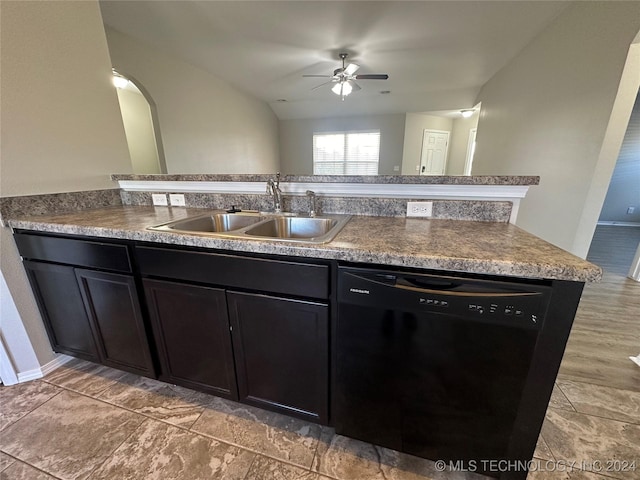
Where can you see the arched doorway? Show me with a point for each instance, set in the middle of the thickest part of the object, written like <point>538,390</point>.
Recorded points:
<point>140,125</point>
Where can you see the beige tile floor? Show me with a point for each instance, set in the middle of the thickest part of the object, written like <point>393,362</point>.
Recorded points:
<point>86,421</point>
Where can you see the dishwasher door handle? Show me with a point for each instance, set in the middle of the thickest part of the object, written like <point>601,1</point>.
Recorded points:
<point>445,286</point>
<point>468,294</point>
<point>428,284</point>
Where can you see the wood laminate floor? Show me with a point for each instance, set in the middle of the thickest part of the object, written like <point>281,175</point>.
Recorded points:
<point>613,248</point>
<point>605,333</point>
<point>86,421</point>
<point>593,420</point>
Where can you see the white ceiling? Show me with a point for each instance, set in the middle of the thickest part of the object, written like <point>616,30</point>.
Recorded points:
<point>438,54</point>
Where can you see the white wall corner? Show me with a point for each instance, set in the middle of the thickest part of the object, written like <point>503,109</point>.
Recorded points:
<point>8,373</point>
<point>613,138</point>
<point>17,351</point>
<point>634,271</point>
<point>515,206</point>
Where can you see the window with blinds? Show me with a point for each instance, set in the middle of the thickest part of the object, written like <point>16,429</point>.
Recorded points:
<point>346,153</point>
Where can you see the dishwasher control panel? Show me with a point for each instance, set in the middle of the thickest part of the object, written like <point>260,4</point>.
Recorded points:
<point>503,302</point>
<point>524,309</point>
<point>517,311</point>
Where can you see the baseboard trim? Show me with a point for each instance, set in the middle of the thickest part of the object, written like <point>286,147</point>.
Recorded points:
<point>45,369</point>
<point>619,224</point>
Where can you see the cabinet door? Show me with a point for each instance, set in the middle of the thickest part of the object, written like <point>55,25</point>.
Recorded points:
<point>281,351</point>
<point>191,329</point>
<point>111,301</point>
<point>58,296</point>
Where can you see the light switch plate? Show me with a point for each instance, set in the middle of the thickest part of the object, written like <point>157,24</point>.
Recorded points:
<point>176,199</point>
<point>419,209</point>
<point>159,199</point>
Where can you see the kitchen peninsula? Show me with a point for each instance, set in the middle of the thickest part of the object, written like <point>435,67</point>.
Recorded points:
<point>267,322</point>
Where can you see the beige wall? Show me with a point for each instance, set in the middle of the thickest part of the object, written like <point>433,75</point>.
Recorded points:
<point>546,112</point>
<point>459,143</point>
<point>138,127</point>
<point>296,140</point>
<point>61,125</point>
<point>55,74</point>
<point>207,125</point>
<point>415,125</point>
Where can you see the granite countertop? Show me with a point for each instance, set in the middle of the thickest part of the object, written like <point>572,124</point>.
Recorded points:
<point>455,245</point>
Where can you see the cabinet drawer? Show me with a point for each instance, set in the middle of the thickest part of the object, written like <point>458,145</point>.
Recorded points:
<point>277,276</point>
<point>83,253</point>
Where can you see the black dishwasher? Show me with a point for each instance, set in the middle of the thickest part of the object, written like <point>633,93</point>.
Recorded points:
<point>433,365</point>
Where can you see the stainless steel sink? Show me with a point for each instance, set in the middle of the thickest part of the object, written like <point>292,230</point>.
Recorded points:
<point>293,227</point>
<point>259,225</point>
<point>213,222</point>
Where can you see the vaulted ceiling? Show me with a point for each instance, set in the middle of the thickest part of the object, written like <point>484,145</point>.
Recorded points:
<point>438,54</point>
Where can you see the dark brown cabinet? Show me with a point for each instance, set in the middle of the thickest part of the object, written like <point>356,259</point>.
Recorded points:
<point>281,352</point>
<point>191,330</point>
<point>60,301</point>
<point>247,328</point>
<point>91,314</point>
<point>111,301</point>
<point>254,329</point>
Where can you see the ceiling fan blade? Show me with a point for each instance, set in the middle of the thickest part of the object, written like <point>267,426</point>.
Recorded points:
<point>351,69</point>
<point>322,85</point>
<point>372,76</point>
<point>318,76</point>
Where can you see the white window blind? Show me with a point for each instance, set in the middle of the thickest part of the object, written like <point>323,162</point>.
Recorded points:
<point>346,153</point>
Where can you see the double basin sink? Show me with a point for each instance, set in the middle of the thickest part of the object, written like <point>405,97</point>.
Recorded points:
<point>259,226</point>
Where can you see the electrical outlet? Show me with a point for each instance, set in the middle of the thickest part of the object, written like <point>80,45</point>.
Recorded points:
<point>630,210</point>
<point>419,209</point>
<point>176,199</point>
<point>159,199</point>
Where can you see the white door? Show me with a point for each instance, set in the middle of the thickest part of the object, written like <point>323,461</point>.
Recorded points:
<point>434,152</point>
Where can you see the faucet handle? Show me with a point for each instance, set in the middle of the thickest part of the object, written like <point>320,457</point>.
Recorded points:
<point>312,203</point>
<point>277,179</point>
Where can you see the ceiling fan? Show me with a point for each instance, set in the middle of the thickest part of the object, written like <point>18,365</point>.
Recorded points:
<point>344,78</point>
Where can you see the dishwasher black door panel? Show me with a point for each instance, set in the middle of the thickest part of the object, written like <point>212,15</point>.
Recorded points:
<point>431,380</point>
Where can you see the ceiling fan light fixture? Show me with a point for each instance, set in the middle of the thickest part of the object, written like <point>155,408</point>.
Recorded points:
<point>466,113</point>
<point>342,88</point>
<point>343,79</point>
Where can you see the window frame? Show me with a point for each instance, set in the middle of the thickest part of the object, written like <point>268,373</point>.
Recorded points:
<point>345,160</point>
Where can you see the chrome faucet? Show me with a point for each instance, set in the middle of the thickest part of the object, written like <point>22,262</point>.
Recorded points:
<point>273,188</point>
<point>312,203</point>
